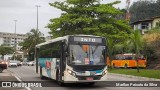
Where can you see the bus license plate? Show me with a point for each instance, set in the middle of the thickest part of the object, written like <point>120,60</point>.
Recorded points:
<point>89,78</point>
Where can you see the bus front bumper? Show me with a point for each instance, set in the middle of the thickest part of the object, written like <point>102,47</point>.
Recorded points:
<point>68,78</point>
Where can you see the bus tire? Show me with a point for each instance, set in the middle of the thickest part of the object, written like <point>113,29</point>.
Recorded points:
<point>113,65</point>
<point>125,66</point>
<point>40,72</point>
<point>58,79</point>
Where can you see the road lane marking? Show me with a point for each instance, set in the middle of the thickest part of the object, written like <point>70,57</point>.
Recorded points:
<point>18,78</point>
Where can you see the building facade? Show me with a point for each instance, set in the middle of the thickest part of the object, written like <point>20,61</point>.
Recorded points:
<point>11,39</point>
<point>147,24</point>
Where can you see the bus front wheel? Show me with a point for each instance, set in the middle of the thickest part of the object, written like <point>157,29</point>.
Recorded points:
<point>113,65</point>
<point>58,79</point>
<point>1,70</point>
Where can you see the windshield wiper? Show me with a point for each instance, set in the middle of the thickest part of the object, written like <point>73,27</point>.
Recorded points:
<point>92,52</point>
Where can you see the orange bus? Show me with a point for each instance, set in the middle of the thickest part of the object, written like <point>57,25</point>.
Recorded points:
<point>126,61</point>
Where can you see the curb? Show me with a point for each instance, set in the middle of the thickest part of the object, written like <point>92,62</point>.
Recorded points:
<point>135,77</point>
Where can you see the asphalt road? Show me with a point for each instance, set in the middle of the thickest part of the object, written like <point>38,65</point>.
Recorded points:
<point>27,73</point>
<point>6,76</point>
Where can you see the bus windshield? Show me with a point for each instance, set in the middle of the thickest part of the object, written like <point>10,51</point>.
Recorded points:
<point>87,55</point>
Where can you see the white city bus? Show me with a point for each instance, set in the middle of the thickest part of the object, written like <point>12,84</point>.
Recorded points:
<point>73,59</point>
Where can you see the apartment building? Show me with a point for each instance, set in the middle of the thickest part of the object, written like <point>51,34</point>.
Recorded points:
<point>12,39</point>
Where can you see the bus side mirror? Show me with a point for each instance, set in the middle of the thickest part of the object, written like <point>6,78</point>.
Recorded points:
<point>65,47</point>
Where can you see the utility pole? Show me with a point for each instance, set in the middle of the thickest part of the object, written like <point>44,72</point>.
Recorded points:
<point>35,54</point>
<point>15,42</point>
<point>37,15</point>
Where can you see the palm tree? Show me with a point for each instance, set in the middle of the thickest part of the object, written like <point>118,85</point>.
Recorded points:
<point>110,45</point>
<point>137,42</point>
<point>34,38</point>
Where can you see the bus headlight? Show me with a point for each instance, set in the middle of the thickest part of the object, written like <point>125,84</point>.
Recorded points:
<point>71,72</point>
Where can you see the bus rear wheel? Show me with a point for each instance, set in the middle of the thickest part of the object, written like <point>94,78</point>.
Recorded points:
<point>125,66</point>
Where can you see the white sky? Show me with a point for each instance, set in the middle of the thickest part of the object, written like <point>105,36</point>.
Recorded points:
<point>25,12</point>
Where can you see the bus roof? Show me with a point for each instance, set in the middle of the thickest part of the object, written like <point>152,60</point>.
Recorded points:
<point>52,40</point>
<point>62,38</point>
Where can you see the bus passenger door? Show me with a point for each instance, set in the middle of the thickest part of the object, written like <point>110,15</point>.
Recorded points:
<point>62,61</point>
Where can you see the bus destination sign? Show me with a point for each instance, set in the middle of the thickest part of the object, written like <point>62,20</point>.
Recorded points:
<point>88,39</point>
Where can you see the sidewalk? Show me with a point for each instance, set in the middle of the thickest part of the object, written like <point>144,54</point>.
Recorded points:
<point>7,76</point>
<point>134,77</point>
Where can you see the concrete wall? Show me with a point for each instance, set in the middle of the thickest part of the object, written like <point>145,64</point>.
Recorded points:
<point>156,20</point>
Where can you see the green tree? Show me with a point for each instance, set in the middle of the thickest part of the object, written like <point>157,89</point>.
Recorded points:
<point>152,47</point>
<point>4,50</point>
<point>124,47</point>
<point>88,17</point>
<point>34,37</point>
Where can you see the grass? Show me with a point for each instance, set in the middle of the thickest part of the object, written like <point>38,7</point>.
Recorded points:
<point>142,73</point>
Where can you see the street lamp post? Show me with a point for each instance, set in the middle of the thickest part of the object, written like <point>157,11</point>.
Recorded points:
<point>35,54</point>
<point>15,42</point>
<point>37,15</point>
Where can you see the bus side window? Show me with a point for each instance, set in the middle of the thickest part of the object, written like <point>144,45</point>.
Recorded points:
<point>129,57</point>
<point>116,57</point>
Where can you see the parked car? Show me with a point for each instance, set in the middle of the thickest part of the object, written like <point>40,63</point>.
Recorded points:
<point>24,63</point>
<point>13,63</point>
<point>19,63</point>
<point>31,63</point>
